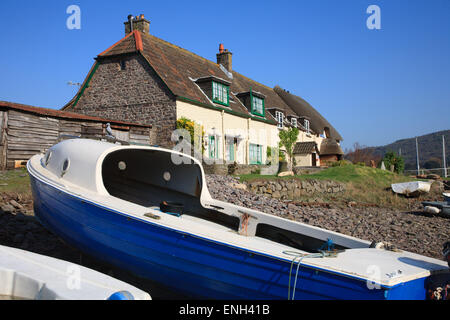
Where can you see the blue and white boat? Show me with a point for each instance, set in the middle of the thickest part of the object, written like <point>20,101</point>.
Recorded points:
<point>106,200</point>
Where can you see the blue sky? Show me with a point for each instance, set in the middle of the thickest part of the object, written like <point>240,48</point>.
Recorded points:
<point>374,86</point>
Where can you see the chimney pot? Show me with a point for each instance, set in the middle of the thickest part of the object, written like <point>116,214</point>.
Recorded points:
<point>224,57</point>
<point>138,23</point>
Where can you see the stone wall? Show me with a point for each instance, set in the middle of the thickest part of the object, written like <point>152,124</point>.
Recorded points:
<point>294,189</point>
<point>222,169</point>
<point>135,94</point>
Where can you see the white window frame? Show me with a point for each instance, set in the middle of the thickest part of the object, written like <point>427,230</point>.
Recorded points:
<point>280,118</point>
<point>294,122</point>
<point>306,121</point>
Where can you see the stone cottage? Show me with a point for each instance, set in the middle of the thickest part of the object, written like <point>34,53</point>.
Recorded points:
<point>147,80</point>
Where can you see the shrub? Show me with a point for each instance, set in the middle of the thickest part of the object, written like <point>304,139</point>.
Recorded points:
<point>190,126</point>
<point>393,159</point>
<point>256,171</point>
<point>232,168</point>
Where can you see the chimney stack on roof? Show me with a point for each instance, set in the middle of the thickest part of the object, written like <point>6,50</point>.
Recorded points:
<point>224,57</point>
<point>137,23</point>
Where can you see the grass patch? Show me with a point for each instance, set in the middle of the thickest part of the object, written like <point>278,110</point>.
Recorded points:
<point>363,185</point>
<point>16,181</point>
<point>347,173</point>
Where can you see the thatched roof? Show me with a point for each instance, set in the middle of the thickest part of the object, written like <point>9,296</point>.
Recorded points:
<point>330,146</point>
<point>317,122</point>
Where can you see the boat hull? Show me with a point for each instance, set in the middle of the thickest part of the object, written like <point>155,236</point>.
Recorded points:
<point>411,189</point>
<point>195,266</point>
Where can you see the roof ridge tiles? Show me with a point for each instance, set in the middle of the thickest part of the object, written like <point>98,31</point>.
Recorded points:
<point>117,43</point>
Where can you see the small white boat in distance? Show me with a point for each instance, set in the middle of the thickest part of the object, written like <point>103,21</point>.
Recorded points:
<point>412,189</point>
<point>26,275</point>
<point>446,197</point>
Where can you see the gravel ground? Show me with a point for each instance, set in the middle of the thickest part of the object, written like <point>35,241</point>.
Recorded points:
<point>412,231</point>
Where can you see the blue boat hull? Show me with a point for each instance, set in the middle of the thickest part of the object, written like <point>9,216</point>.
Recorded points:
<point>190,264</point>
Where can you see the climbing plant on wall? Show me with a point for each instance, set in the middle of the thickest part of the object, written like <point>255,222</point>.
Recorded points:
<point>195,130</point>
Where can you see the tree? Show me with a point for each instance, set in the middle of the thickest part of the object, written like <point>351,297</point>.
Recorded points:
<point>288,138</point>
<point>361,153</point>
<point>393,159</point>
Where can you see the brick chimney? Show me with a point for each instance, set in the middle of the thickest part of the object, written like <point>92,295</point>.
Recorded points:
<point>224,57</point>
<point>139,23</point>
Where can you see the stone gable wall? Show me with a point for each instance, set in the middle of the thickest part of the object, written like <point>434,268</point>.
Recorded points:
<point>135,94</point>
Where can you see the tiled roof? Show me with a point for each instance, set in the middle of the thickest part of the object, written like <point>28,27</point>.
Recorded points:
<point>179,68</point>
<point>63,114</point>
<point>131,43</point>
<point>305,147</point>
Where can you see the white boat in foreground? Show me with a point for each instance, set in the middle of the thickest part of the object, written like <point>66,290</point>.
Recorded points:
<point>412,189</point>
<point>148,210</point>
<point>26,275</point>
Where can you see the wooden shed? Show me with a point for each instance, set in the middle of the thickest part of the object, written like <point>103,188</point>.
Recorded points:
<point>27,130</point>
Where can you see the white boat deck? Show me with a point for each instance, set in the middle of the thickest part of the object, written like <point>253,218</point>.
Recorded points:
<point>31,276</point>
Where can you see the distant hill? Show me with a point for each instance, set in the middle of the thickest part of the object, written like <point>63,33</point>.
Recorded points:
<point>430,150</point>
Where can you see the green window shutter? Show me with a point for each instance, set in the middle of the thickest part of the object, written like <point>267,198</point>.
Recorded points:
<point>212,147</point>
<point>231,150</point>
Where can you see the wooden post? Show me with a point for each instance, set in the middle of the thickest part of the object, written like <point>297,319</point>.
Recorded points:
<point>417,157</point>
<point>3,140</point>
<point>443,155</point>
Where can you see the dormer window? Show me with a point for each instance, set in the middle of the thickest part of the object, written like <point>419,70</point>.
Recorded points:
<point>294,122</point>
<point>306,122</point>
<point>280,119</point>
<point>258,106</point>
<point>216,89</point>
<point>220,93</point>
<point>253,101</point>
